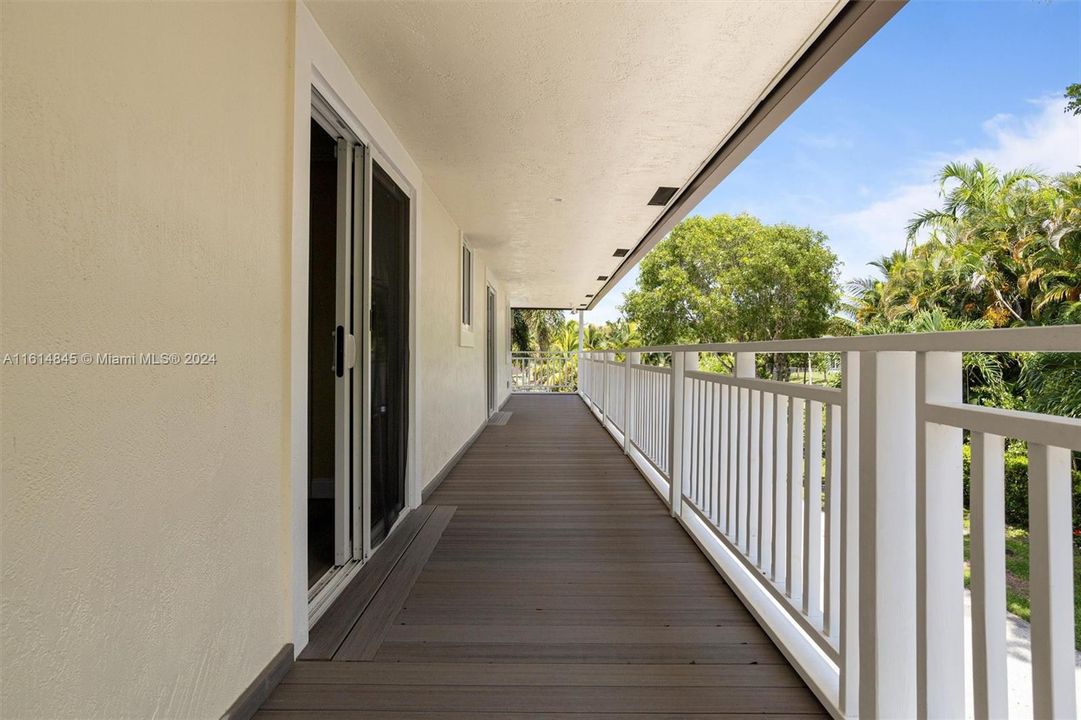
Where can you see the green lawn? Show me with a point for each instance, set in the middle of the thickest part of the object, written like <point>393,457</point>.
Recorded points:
<point>1017,598</point>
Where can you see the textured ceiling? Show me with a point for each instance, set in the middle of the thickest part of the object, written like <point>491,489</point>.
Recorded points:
<point>507,106</point>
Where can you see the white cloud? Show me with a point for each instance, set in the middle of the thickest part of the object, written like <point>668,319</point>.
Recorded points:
<point>879,228</point>
<point>1048,140</point>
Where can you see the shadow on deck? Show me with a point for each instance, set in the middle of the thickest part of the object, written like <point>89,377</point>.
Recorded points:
<point>544,579</point>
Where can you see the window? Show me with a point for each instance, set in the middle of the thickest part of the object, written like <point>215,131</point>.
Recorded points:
<point>465,293</point>
<point>467,286</point>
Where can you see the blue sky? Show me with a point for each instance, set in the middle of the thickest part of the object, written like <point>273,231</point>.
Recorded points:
<point>942,81</point>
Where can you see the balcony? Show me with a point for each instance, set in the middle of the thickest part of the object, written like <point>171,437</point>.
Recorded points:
<point>259,263</point>
<point>547,579</point>
<point>544,577</point>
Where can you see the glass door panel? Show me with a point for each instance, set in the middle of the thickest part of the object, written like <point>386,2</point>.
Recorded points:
<point>389,350</point>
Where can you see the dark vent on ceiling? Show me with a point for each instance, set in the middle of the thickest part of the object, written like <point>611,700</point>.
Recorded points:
<point>621,252</point>
<point>602,277</point>
<point>662,196</point>
<point>589,295</point>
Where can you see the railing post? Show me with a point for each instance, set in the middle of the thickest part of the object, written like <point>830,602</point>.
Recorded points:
<point>744,364</point>
<point>629,409</point>
<point>849,664</point>
<point>940,611</point>
<point>604,388</point>
<point>581,351</point>
<point>681,362</point>
<point>887,539</point>
<point>585,379</point>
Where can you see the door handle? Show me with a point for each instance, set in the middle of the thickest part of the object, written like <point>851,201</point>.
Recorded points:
<point>350,351</point>
<point>339,351</point>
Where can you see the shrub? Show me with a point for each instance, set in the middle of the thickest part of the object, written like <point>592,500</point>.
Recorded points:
<point>1016,458</point>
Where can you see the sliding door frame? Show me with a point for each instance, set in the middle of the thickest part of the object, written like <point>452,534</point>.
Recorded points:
<point>318,70</point>
<point>491,349</point>
<point>348,419</point>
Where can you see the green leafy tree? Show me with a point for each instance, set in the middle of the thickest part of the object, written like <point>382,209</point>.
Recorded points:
<point>1073,99</point>
<point>729,278</point>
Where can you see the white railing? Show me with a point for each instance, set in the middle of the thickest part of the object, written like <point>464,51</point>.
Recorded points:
<point>836,513</point>
<point>548,371</point>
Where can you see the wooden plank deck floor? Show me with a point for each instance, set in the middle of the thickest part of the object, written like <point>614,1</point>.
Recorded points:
<point>560,589</point>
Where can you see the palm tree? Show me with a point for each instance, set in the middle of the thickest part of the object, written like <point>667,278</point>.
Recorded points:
<point>532,329</point>
<point>594,338</point>
<point>984,222</point>
<point>978,191</point>
<point>565,338</point>
<point>623,333</point>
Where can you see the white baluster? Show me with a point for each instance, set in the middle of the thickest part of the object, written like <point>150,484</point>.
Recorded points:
<point>940,652</point>
<point>732,464</point>
<point>849,650</point>
<point>724,479</point>
<point>754,411</point>
<point>709,466</point>
<point>692,430</point>
<point>765,482</point>
<point>794,549</point>
<point>987,533</point>
<point>1051,582</point>
<point>743,367</point>
<point>778,566</point>
<point>831,611</point>
<point>812,511</point>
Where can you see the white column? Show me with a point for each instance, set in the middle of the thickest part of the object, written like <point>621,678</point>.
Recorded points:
<point>940,651</point>
<point>887,540</point>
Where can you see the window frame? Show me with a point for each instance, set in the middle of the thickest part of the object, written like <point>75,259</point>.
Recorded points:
<point>467,280</point>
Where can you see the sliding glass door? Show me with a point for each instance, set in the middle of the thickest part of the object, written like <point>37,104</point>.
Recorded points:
<point>389,354</point>
<point>328,457</point>
<point>358,349</point>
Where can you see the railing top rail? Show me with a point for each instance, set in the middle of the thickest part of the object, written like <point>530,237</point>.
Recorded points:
<point>1052,338</point>
<point>569,353</point>
<point>1032,427</point>
<point>817,393</point>
<point>652,368</point>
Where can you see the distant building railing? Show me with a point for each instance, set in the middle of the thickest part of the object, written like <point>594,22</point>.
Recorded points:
<point>544,372</point>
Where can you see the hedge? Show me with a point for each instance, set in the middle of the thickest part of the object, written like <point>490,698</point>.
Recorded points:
<point>1016,457</point>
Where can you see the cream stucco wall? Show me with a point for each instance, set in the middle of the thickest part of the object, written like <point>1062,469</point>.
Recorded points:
<point>452,377</point>
<point>146,547</point>
<point>146,180</point>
